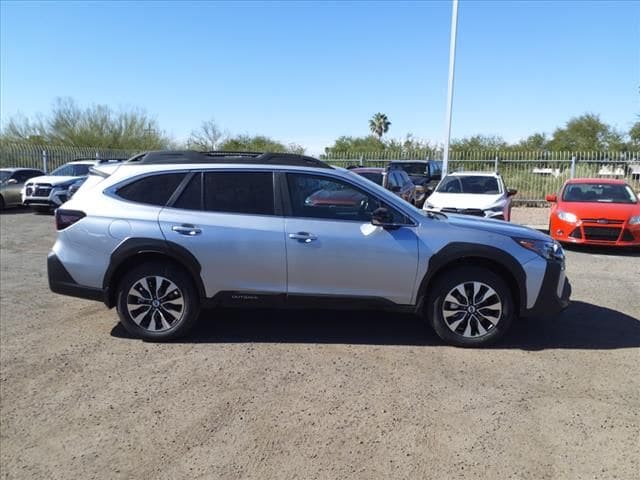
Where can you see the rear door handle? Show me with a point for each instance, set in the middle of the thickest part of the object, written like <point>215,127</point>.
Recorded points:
<point>185,229</point>
<point>303,237</point>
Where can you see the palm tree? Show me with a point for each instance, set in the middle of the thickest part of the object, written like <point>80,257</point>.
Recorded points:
<point>379,124</point>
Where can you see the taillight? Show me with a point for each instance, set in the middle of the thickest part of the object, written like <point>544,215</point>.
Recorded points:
<point>66,218</point>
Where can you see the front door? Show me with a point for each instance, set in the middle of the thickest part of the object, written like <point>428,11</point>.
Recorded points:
<point>333,249</point>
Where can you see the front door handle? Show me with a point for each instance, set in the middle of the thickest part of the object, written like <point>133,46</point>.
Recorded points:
<point>303,237</point>
<point>185,229</point>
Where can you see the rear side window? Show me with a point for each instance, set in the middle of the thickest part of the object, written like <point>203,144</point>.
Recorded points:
<point>191,197</point>
<point>152,190</point>
<point>239,192</point>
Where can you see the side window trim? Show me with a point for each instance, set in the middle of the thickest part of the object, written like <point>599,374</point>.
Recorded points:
<point>181,188</point>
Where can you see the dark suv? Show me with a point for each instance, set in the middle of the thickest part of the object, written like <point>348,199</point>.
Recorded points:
<point>425,174</point>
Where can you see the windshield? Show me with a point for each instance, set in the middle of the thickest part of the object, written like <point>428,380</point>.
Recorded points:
<point>599,192</point>
<point>4,175</point>
<point>481,185</point>
<point>374,177</point>
<point>72,170</point>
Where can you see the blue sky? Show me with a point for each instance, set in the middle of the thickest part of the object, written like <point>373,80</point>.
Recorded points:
<point>308,72</point>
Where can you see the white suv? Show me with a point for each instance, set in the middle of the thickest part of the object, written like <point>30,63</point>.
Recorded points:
<point>48,192</point>
<point>167,233</point>
<point>472,193</point>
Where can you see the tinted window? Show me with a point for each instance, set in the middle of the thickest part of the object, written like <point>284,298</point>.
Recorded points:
<point>239,192</point>
<point>403,177</point>
<point>4,175</point>
<point>321,197</point>
<point>152,190</point>
<point>374,177</point>
<point>599,192</point>
<point>393,180</point>
<point>72,170</point>
<point>191,197</point>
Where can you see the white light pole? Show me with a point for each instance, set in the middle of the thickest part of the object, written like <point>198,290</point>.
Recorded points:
<point>452,68</point>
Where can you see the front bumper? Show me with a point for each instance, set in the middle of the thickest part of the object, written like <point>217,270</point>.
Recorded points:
<point>60,281</point>
<point>555,292</point>
<point>586,233</point>
<point>55,198</point>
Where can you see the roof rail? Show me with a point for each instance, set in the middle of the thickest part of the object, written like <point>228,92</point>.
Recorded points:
<point>253,158</point>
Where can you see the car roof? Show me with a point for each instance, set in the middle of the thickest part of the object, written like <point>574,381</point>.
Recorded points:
<point>612,181</point>
<point>475,174</point>
<point>18,169</point>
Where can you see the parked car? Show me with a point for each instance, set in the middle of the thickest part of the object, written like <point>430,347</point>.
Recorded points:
<point>425,175</point>
<point>393,179</point>
<point>166,233</point>
<point>11,182</point>
<point>595,211</point>
<point>472,193</point>
<point>48,192</point>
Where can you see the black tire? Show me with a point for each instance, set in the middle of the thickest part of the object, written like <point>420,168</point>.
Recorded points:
<point>477,317</point>
<point>161,320</point>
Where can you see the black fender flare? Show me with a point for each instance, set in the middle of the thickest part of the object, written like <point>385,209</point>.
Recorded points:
<point>132,247</point>
<point>459,252</point>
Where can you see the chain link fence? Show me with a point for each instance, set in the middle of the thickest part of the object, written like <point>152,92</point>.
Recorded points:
<point>534,174</point>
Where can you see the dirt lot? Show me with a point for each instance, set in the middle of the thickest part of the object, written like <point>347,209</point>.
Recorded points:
<point>258,394</point>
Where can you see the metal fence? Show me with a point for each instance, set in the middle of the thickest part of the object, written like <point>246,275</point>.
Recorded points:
<point>50,157</point>
<point>533,174</point>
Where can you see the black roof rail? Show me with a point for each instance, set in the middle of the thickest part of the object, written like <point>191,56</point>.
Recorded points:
<point>252,158</point>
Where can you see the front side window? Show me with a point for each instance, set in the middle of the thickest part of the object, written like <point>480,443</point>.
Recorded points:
<point>314,196</point>
<point>151,190</point>
<point>249,193</point>
<point>599,192</point>
<point>481,185</point>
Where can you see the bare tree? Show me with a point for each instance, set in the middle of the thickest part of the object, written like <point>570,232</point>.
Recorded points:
<point>207,138</point>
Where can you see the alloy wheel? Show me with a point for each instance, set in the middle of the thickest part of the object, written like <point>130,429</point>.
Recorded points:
<point>155,303</point>
<point>472,309</point>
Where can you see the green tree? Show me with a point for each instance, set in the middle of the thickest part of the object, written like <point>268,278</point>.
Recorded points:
<point>584,133</point>
<point>634,136</point>
<point>379,124</point>
<point>537,141</point>
<point>95,126</point>
<point>258,143</point>
<point>479,143</point>
<point>356,145</point>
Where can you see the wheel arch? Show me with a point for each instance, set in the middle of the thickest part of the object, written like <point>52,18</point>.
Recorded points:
<point>461,254</point>
<point>133,252</point>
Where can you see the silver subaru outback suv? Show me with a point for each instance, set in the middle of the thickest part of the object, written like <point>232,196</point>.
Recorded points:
<point>167,233</point>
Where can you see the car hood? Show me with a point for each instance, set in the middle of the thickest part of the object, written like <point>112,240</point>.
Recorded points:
<point>496,226</point>
<point>52,179</point>
<point>463,200</point>
<point>613,211</point>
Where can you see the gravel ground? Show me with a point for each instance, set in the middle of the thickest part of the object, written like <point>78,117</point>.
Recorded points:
<point>260,395</point>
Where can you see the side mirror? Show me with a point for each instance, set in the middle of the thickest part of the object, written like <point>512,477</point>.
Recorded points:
<point>382,217</point>
<point>551,198</point>
<point>12,181</point>
<point>511,192</point>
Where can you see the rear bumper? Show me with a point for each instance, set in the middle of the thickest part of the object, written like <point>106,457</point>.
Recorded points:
<point>554,294</point>
<point>60,281</point>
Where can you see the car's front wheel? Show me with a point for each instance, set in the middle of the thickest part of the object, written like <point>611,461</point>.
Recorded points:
<point>157,302</point>
<point>470,307</point>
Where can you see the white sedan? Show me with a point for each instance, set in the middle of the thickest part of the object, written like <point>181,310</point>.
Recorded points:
<point>472,193</point>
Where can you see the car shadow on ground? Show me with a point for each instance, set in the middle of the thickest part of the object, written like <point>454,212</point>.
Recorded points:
<point>15,211</point>
<point>581,326</point>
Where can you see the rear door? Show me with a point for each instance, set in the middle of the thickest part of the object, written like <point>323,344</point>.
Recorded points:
<point>334,250</point>
<point>228,220</point>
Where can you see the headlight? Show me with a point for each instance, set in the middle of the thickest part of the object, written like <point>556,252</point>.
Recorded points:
<point>546,249</point>
<point>567,216</point>
<point>635,220</point>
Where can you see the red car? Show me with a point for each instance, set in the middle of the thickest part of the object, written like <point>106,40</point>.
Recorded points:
<point>595,211</point>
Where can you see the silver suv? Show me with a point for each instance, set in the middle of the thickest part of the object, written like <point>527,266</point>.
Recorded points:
<point>167,233</point>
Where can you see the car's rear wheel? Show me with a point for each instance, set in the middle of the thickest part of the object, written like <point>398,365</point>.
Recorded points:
<point>470,307</point>
<point>157,302</point>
